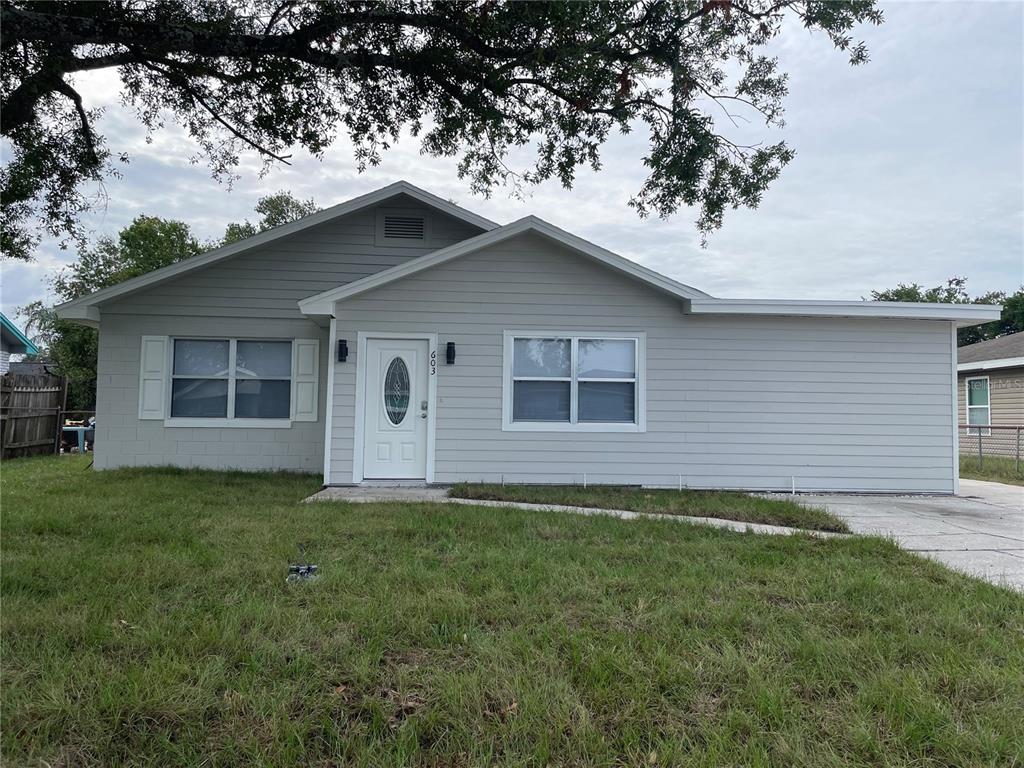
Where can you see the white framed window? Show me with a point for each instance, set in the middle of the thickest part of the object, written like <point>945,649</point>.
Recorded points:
<point>979,411</point>
<point>587,382</point>
<point>230,379</point>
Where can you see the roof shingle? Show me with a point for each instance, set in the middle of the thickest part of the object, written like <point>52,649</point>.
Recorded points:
<point>1011,345</point>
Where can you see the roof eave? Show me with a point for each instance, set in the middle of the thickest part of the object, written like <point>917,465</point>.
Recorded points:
<point>991,365</point>
<point>961,314</point>
<point>19,338</point>
<point>80,314</point>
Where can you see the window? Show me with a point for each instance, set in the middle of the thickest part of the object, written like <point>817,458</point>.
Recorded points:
<point>573,382</point>
<point>231,379</point>
<point>396,391</point>
<point>978,410</point>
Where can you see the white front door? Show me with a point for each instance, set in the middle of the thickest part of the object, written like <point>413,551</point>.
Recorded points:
<point>395,408</point>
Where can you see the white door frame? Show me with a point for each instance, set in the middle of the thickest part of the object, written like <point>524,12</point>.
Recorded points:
<point>360,410</point>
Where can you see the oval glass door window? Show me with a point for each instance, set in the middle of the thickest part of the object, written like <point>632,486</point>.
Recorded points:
<point>396,391</point>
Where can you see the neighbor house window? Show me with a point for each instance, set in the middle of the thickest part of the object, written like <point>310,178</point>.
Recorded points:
<point>979,412</point>
<point>573,381</point>
<point>231,379</point>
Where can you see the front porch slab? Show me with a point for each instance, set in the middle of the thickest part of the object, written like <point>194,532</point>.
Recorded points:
<point>374,494</point>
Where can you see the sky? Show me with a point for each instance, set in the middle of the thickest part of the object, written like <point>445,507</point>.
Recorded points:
<point>909,168</point>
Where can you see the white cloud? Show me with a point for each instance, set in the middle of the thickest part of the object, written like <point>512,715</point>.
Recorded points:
<point>908,168</point>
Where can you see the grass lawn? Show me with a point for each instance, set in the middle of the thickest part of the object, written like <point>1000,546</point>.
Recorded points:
<point>146,621</point>
<point>999,469</point>
<point>723,504</point>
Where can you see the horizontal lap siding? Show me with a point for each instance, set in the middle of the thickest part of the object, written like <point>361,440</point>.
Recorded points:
<point>731,402</point>
<point>252,295</point>
<point>269,282</point>
<point>123,440</point>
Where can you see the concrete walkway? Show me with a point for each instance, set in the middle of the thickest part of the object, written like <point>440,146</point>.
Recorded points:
<point>365,495</point>
<point>979,532</point>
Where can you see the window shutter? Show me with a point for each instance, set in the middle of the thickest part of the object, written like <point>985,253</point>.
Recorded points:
<point>305,379</point>
<point>153,377</point>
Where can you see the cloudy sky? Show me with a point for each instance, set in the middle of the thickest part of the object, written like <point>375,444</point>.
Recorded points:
<point>908,169</point>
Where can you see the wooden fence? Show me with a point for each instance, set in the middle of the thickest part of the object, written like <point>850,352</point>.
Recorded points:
<point>30,413</point>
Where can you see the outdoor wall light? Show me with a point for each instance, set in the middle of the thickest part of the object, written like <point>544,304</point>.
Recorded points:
<point>449,353</point>
<point>342,350</point>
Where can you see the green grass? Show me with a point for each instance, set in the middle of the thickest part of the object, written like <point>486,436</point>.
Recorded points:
<point>146,621</point>
<point>999,469</point>
<point>729,505</point>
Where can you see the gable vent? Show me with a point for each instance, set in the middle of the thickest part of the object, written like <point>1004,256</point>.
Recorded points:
<point>403,227</point>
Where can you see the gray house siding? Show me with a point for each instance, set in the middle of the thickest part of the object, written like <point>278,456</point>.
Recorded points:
<point>268,282</point>
<point>252,296</point>
<point>123,440</point>
<point>733,402</point>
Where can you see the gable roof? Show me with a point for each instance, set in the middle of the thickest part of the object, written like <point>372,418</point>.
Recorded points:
<point>1004,352</point>
<point>85,309</point>
<point>13,334</point>
<point>696,302</point>
<point>323,303</point>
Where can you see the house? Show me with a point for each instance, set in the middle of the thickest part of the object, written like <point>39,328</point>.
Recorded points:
<point>12,342</point>
<point>30,367</point>
<point>990,391</point>
<point>398,337</point>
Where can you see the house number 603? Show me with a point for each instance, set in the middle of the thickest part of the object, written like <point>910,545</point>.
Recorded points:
<point>433,362</point>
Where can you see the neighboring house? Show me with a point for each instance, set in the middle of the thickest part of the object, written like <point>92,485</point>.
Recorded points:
<point>32,368</point>
<point>399,337</point>
<point>12,342</point>
<point>991,387</point>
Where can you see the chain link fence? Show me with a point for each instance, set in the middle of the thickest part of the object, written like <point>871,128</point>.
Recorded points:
<point>1001,444</point>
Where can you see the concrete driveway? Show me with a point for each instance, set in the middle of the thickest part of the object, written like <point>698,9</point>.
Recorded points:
<point>979,532</point>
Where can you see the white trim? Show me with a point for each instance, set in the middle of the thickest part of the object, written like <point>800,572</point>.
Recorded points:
<point>220,423</point>
<point>360,404</point>
<point>955,409</point>
<point>987,406</point>
<point>991,365</point>
<point>84,309</point>
<point>963,314</point>
<point>323,303</point>
<point>640,361</point>
<point>332,361</point>
<point>82,315</point>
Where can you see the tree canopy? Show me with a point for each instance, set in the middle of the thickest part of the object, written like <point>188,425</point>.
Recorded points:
<point>146,244</point>
<point>274,210</point>
<point>954,291</point>
<point>473,80</point>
